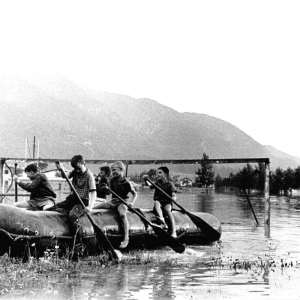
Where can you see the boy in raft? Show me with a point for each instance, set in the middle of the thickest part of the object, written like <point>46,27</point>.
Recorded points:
<point>104,175</point>
<point>84,184</point>
<point>42,195</point>
<point>122,187</point>
<point>161,201</point>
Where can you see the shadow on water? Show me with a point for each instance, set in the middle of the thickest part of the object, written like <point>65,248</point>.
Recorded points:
<point>244,265</point>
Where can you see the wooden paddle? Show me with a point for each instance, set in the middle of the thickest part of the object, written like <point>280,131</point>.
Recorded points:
<point>209,231</point>
<point>98,232</point>
<point>162,234</point>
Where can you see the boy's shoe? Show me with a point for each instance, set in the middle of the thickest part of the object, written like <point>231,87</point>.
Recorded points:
<point>124,244</point>
<point>174,235</point>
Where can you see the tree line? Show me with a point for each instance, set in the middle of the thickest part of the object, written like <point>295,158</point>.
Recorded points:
<point>250,177</point>
<point>253,178</point>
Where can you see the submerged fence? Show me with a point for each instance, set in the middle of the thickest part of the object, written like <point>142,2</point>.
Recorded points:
<point>236,191</point>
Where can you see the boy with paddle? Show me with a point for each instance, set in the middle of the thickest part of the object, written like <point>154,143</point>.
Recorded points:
<point>82,199</point>
<point>42,195</point>
<point>83,182</point>
<point>161,201</point>
<point>122,187</point>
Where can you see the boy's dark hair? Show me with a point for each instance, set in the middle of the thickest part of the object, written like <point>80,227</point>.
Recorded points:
<point>106,170</point>
<point>77,159</point>
<point>31,168</point>
<point>165,170</point>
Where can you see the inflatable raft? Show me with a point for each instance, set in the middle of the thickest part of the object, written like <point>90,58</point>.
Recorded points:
<point>22,231</point>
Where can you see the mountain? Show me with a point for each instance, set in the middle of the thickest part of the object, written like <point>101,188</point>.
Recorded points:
<point>69,119</point>
<point>281,159</point>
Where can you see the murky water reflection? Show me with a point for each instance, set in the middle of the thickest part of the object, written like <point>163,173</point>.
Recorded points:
<point>201,272</point>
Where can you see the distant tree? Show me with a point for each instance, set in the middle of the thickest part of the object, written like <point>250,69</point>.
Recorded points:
<point>205,175</point>
<point>288,180</point>
<point>254,178</point>
<point>297,178</point>
<point>276,181</point>
<point>246,179</point>
<point>218,182</point>
<point>260,171</point>
<point>229,181</point>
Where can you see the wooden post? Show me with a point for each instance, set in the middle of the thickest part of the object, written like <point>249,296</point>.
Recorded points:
<point>267,200</point>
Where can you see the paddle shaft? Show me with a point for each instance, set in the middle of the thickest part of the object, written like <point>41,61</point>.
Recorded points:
<point>73,190</point>
<point>97,229</point>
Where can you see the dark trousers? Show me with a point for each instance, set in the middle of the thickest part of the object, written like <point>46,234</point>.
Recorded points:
<point>68,204</point>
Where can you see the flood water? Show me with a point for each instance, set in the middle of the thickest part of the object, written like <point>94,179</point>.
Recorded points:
<point>244,265</point>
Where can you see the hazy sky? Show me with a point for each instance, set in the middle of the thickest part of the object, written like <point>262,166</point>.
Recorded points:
<point>235,60</point>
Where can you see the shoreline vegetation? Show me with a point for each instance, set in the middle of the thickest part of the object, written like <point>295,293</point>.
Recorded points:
<point>17,275</point>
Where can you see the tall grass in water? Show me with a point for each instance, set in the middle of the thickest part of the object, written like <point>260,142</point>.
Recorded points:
<point>16,274</point>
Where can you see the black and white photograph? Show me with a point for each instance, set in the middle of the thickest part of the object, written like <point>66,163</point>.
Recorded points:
<point>149,150</point>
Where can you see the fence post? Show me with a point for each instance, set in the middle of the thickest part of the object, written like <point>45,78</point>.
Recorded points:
<point>267,200</point>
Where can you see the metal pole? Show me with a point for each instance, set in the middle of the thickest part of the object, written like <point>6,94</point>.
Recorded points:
<point>33,154</point>
<point>2,175</point>
<point>16,185</point>
<point>38,152</point>
<point>267,200</point>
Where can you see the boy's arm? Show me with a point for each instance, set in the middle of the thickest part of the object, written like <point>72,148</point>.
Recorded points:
<point>29,187</point>
<point>174,190</point>
<point>134,196</point>
<point>92,196</point>
<point>92,193</point>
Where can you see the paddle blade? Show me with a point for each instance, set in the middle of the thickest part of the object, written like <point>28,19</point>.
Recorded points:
<point>167,239</point>
<point>102,238</point>
<point>206,229</point>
